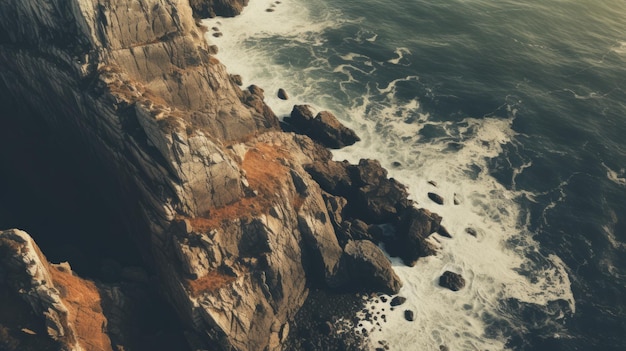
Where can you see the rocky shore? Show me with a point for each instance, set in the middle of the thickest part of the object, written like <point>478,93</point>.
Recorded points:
<point>195,205</point>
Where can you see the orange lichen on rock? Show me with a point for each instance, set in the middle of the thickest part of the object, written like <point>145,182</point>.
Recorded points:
<point>209,283</point>
<point>265,175</point>
<point>82,299</point>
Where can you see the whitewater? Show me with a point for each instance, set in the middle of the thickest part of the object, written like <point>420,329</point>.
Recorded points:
<point>503,265</point>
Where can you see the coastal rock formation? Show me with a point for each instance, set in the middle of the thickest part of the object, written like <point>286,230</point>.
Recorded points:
<point>234,218</point>
<point>212,8</point>
<point>324,127</point>
<point>69,307</point>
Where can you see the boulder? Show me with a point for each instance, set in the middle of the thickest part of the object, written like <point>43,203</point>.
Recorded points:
<point>332,176</point>
<point>436,198</point>
<point>452,281</point>
<point>368,267</point>
<point>211,8</point>
<point>282,94</point>
<point>409,242</point>
<point>376,198</point>
<point>409,315</point>
<point>324,127</point>
<point>397,301</point>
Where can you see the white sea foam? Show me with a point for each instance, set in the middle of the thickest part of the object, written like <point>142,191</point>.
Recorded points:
<point>618,178</point>
<point>496,263</point>
<point>620,48</point>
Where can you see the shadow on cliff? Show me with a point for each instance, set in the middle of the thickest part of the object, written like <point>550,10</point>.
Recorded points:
<point>50,188</point>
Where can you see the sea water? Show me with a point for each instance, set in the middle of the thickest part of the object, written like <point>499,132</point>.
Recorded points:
<point>516,109</point>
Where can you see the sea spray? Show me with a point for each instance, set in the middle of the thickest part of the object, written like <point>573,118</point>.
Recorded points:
<point>330,62</point>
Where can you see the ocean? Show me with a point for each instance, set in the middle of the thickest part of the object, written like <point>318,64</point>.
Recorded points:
<point>515,108</point>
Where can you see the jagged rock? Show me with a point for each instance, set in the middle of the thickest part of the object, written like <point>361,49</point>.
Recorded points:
<point>68,306</point>
<point>410,241</point>
<point>444,232</point>
<point>376,199</point>
<point>142,96</point>
<point>452,281</point>
<point>372,197</point>
<point>332,176</point>
<point>324,127</point>
<point>212,8</point>
<point>282,94</point>
<point>471,231</point>
<point>436,198</point>
<point>367,267</point>
<point>237,79</point>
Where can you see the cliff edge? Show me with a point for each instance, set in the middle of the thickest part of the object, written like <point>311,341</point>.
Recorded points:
<point>235,218</point>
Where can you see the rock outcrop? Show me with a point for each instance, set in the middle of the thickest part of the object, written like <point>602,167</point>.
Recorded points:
<point>235,218</point>
<point>69,307</point>
<point>323,127</point>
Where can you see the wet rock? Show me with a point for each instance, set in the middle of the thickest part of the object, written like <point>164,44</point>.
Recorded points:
<point>456,199</point>
<point>224,8</point>
<point>397,301</point>
<point>452,281</point>
<point>409,315</point>
<point>436,198</point>
<point>471,231</point>
<point>412,231</point>
<point>324,127</point>
<point>444,232</point>
<point>282,94</point>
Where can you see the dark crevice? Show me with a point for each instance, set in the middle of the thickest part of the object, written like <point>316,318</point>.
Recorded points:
<point>76,210</point>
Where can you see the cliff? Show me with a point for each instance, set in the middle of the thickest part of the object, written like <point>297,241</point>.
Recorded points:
<point>233,218</point>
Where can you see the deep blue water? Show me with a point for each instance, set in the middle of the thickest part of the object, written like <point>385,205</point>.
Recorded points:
<point>431,79</point>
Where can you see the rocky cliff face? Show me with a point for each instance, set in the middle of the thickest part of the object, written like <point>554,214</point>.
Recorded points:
<point>235,218</point>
